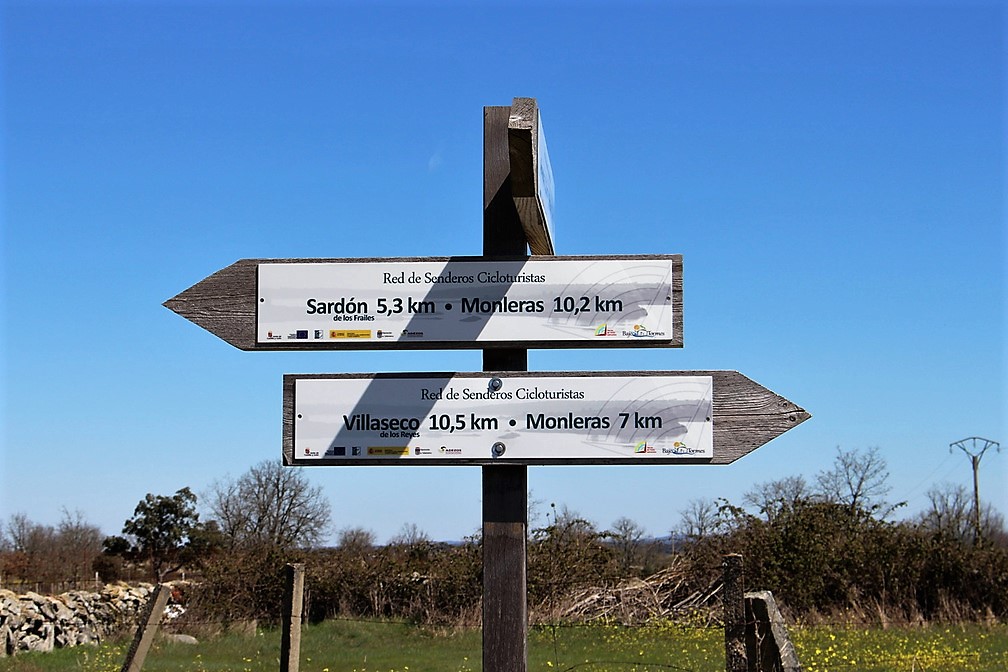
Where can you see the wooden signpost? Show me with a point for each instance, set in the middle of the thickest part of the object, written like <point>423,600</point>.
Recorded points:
<point>504,418</point>
<point>505,486</point>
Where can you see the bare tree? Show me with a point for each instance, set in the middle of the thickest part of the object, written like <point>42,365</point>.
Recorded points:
<point>569,523</point>
<point>230,509</point>
<point>35,549</point>
<point>700,519</point>
<point>535,511</point>
<point>356,539</point>
<point>270,505</point>
<point>80,543</point>
<point>53,555</point>
<point>627,538</point>
<point>20,529</point>
<point>778,496</point>
<point>858,480</point>
<point>951,514</point>
<point>410,535</point>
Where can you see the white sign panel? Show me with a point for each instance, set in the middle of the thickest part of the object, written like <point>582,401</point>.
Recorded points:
<point>533,419</point>
<point>452,300</point>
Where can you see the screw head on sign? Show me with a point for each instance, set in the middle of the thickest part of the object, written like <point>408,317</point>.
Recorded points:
<point>496,384</point>
<point>498,449</point>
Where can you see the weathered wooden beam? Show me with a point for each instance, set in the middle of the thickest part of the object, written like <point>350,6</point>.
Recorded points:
<point>733,598</point>
<point>531,175</point>
<point>768,645</point>
<point>505,487</point>
<point>293,605</point>
<point>146,629</point>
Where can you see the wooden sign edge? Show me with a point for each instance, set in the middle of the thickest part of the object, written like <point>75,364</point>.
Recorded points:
<point>523,152</point>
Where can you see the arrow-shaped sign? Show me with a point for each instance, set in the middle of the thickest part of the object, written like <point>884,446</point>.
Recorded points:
<point>637,417</point>
<point>441,302</point>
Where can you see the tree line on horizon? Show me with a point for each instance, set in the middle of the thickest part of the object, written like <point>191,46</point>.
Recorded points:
<point>819,544</point>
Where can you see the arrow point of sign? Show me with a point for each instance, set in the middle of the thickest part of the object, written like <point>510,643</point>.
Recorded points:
<point>223,303</point>
<point>748,415</point>
<point>176,304</point>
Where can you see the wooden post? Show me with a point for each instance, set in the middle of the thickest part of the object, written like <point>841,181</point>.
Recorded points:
<point>293,603</point>
<point>146,629</point>
<point>505,487</point>
<point>505,612</point>
<point>733,596</point>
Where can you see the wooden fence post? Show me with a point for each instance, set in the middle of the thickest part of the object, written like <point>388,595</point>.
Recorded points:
<point>733,596</point>
<point>146,629</point>
<point>293,603</point>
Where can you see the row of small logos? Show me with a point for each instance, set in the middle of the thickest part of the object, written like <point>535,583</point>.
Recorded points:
<point>380,451</point>
<point>642,448</point>
<point>677,448</point>
<point>603,330</point>
<point>638,331</point>
<point>340,334</point>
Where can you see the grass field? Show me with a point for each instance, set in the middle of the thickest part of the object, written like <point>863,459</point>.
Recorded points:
<point>354,646</point>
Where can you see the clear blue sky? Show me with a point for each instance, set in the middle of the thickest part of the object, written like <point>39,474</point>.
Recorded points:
<point>833,174</point>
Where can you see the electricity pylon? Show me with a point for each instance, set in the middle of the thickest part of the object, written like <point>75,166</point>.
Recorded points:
<point>975,454</point>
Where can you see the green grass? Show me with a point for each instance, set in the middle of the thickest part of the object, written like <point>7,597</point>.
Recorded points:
<point>931,649</point>
<point>354,646</point>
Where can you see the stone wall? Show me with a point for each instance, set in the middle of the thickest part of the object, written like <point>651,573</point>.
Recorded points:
<point>33,622</point>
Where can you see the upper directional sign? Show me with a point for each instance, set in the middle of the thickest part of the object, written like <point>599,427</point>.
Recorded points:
<point>446,302</point>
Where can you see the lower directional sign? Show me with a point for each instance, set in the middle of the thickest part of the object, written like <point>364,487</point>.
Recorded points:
<point>638,417</point>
